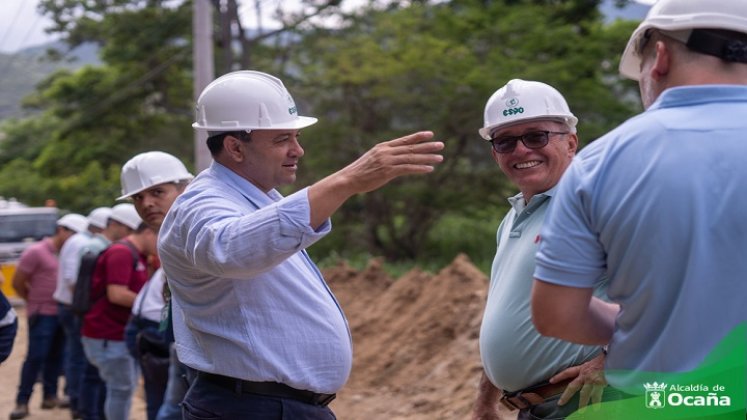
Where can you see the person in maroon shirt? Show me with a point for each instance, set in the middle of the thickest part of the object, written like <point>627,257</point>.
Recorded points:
<point>116,280</point>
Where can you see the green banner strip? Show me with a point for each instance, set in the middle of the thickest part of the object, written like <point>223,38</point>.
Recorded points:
<point>715,390</point>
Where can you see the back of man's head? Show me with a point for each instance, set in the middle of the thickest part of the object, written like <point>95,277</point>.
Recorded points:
<point>98,219</point>
<point>714,28</point>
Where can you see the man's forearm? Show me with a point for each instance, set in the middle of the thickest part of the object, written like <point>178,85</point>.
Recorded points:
<point>572,314</point>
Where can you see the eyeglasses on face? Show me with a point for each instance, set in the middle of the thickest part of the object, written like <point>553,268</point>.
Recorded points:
<point>532,140</point>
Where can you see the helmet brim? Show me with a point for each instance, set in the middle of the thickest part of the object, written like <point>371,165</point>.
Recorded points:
<point>569,120</point>
<point>130,194</point>
<point>295,124</point>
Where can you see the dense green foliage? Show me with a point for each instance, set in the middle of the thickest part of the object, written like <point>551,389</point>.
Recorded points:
<point>388,72</point>
<point>378,75</point>
<point>94,118</point>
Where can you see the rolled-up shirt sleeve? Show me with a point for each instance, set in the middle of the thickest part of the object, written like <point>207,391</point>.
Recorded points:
<point>226,241</point>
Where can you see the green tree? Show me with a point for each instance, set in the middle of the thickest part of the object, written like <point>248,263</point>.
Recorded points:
<point>381,73</point>
<point>432,66</point>
<point>95,118</point>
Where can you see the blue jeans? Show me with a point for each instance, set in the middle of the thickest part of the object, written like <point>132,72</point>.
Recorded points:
<point>91,394</point>
<point>550,410</point>
<point>75,358</point>
<point>155,388</point>
<point>117,369</point>
<point>180,377</point>
<point>45,351</point>
<point>205,400</point>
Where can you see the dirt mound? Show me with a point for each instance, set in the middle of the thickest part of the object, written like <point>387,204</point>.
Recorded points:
<point>415,341</point>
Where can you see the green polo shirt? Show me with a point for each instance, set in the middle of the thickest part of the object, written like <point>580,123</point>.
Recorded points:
<point>514,355</point>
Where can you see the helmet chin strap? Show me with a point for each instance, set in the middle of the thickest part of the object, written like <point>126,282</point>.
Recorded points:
<point>711,42</point>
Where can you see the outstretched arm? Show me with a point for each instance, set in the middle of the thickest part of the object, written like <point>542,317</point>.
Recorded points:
<point>408,155</point>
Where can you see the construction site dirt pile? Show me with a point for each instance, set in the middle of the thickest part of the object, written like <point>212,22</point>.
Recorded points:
<point>415,341</point>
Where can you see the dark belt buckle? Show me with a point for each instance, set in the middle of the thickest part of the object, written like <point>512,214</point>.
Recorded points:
<point>325,399</point>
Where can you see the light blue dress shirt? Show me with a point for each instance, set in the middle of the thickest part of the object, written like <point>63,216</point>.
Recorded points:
<point>247,300</point>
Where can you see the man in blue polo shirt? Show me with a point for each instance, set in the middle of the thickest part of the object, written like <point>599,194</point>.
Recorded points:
<point>251,312</point>
<point>658,204</point>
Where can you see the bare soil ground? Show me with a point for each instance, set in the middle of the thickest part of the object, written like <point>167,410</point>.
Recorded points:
<point>415,345</point>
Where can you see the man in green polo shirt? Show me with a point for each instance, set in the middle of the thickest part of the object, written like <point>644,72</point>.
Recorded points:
<point>533,137</point>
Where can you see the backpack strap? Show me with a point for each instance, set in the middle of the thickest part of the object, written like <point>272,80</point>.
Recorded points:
<point>135,252</point>
<point>135,259</point>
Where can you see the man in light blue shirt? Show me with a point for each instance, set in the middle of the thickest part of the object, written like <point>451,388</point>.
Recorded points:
<point>252,313</point>
<point>658,204</point>
<point>533,137</point>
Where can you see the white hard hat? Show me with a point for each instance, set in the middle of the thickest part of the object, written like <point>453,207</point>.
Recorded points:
<point>126,214</point>
<point>151,168</point>
<point>248,100</point>
<point>99,216</point>
<point>678,15</point>
<point>74,222</point>
<point>522,101</point>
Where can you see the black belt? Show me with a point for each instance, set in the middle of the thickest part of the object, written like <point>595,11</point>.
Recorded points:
<point>271,389</point>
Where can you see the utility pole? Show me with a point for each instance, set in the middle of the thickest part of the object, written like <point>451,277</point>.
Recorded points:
<point>204,72</point>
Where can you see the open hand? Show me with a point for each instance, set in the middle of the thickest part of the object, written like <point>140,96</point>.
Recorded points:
<point>589,380</point>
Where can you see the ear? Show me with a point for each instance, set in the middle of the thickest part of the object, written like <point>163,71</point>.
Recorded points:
<point>660,68</point>
<point>233,149</point>
<point>572,144</point>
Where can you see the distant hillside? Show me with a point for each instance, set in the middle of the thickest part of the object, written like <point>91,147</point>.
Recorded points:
<point>20,72</point>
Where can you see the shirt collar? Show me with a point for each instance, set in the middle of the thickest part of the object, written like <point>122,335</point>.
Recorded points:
<point>518,204</point>
<point>699,94</point>
<point>244,186</point>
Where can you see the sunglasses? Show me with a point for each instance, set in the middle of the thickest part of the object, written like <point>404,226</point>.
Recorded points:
<point>532,140</point>
<point>642,41</point>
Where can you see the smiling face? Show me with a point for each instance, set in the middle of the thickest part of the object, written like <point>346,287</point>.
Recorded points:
<point>268,159</point>
<point>535,171</point>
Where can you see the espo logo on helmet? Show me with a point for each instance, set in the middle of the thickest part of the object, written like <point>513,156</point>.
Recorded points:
<point>538,101</point>
<point>678,15</point>
<point>149,169</point>
<point>248,100</point>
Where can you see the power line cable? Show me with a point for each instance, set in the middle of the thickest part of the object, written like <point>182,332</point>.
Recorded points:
<point>15,56</point>
<point>104,106</point>
<point>9,29</point>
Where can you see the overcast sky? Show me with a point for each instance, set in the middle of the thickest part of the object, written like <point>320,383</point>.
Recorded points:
<point>22,27</point>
